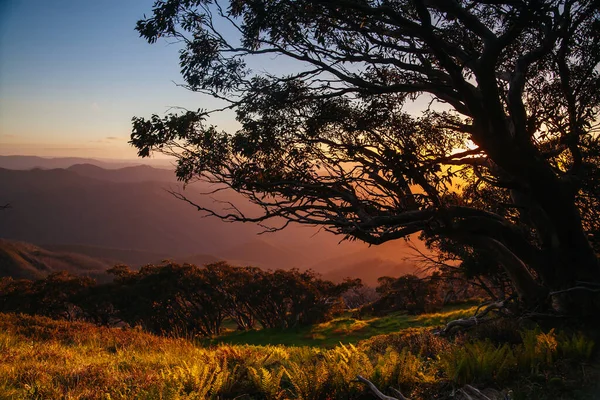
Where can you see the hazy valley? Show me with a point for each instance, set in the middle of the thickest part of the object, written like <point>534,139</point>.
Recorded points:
<point>101,214</point>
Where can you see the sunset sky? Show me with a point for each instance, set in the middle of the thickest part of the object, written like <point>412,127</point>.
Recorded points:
<point>73,73</point>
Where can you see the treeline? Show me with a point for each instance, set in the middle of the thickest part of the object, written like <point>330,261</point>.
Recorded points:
<point>187,299</point>
<point>182,299</point>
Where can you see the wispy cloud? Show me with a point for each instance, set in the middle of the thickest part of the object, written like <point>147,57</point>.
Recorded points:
<point>108,139</point>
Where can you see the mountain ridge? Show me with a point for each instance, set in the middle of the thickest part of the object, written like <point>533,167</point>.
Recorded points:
<point>131,209</point>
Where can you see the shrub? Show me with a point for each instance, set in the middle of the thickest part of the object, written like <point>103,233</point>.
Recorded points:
<point>418,341</point>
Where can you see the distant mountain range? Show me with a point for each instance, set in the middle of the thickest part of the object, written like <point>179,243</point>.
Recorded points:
<point>126,215</point>
<point>30,162</point>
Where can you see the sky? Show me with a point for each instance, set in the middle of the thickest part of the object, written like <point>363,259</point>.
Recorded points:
<point>74,72</point>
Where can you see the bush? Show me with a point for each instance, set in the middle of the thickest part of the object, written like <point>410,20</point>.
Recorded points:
<point>418,341</point>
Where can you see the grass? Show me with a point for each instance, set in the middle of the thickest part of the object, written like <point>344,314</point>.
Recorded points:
<point>46,359</point>
<point>344,329</point>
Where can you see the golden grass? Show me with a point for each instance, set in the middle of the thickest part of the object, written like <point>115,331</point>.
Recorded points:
<point>46,359</point>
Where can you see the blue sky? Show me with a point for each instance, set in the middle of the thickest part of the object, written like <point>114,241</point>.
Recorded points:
<point>74,72</point>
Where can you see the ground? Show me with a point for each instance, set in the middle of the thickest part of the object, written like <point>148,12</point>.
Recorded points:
<point>45,359</point>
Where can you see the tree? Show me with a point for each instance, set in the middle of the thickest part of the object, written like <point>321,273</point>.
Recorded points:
<point>514,91</point>
<point>170,298</point>
<point>57,295</point>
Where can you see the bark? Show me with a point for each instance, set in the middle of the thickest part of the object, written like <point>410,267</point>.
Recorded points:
<point>570,256</point>
<point>525,284</point>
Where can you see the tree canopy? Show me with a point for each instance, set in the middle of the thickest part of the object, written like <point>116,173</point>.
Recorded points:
<point>504,159</point>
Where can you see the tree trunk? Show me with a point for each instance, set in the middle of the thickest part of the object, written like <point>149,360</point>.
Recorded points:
<point>569,255</point>
<point>530,292</point>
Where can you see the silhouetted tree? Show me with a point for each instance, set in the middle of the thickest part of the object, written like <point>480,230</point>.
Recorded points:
<point>169,298</point>
<point>196,300</point>
<point>518,89</point>
<point>407,293</point>
<point>55,296</point>
<point>359,296</point>
<point>16,295</point>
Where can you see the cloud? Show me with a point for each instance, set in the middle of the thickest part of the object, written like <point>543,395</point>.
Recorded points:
<point>95,107</point>
<point>7,136</point>
<point>108,140</point>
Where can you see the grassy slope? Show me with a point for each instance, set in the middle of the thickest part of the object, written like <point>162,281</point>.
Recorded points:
<point>45,359</point>
<point>344,329</point>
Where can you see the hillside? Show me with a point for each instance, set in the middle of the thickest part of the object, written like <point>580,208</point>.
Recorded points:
<point>57,207</point>
<point>115,255</point>
<point>128,215</point>
<point>26,261</point>
<point>45,359</point>
<point>366,266</point>
<point>138,173</point>
<point>261,253</point>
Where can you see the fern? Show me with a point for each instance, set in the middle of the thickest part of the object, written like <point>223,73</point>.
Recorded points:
<point>576,347</point>
<point>308,380</point>
<point>268,383</point>
<point>538,351</point>
<point>479,362</point>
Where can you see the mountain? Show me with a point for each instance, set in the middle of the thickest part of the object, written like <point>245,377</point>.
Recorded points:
<point>138,173</point>
<point>196,259</point>
<point>61,207</point>
<point>30,162</point>
<point>260,253</point>
<point>388,259</point>
<point>26,261</point>
<point>134,258</point>
<point>128,215</point>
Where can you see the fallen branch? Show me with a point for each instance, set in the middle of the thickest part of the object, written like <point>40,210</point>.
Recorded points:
<point>468,392</point>
<point>378,392</point>
<point>499,306</point>
<point>471,393</point>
